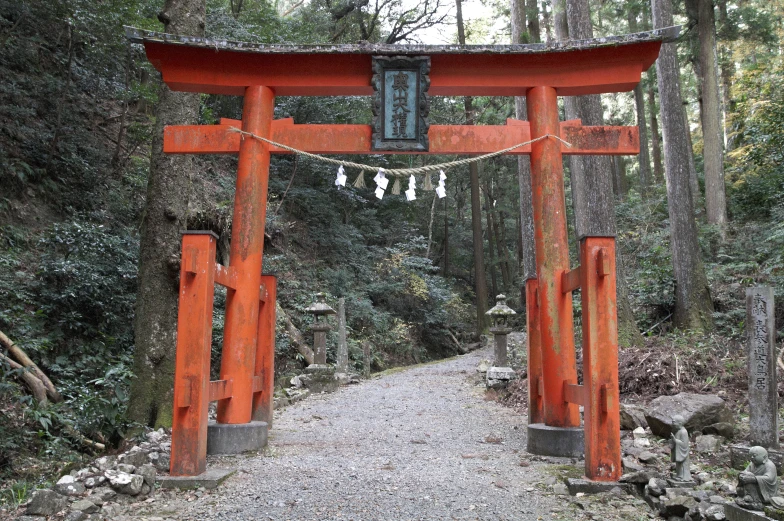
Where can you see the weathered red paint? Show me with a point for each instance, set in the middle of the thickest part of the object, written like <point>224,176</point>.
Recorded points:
<point>247,241</point>
<point>192,360</point>
<point>571,73</point>
<point>552,259</point>
<point>600,359</point>
<point>535,406</point>
<point>444,139</point>
<point>265,351</point>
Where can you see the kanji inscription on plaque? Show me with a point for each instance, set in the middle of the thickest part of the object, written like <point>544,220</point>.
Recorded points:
<point>400,103</point>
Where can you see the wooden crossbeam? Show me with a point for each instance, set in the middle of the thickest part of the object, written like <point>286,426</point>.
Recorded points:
<point>221,389</point>
<point>574,393</point>
<point>225,276</point>
<point>570,280</point>
<point>444,139</point>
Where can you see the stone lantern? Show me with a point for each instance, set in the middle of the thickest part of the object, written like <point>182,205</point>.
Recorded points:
<point>500,374</point>
<point>321,377</point>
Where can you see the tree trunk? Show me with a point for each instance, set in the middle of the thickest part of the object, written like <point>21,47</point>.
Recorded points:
<point>726,65</point>
<point>155,324</point>
<point>493,229</point>
<point>639,103</point>
<point>713,153</point>
<point>18,353</point>
<point>35,385</point>
<point>502,240</point>
<point>694,184</point>
<point>594,207</point>
<point>476,206</point>
<point>528,255</point>
<point>693,306</point>
<point>531,19</point>
<point>446,238</point>
<point>658,169</point>
<point>295,336</point>
<point>430,225</point>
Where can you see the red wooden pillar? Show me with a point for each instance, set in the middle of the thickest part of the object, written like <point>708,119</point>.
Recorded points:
<point>552,259</point>
<point>247,241</point>
<point>264,379</point>
<point>600,359</point>
<point>535,383</point>
<point>192,361</point>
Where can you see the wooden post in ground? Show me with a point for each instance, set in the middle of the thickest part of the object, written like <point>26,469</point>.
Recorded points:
<point>247,242</point>
<point>192,362</point>
<point>600,359</point>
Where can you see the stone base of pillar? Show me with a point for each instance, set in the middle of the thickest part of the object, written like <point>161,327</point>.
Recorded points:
<point>500,377</point>
<point>234,438</point>
<point>320,378</point>
<point>566,442</point>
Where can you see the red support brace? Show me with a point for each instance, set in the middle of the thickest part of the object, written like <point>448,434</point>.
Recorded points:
<point>192,362</point>
<point>600,359</point>
<point>535,407</point>
<point>265,351</point>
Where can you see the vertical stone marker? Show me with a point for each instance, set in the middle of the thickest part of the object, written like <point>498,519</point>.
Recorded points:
<point>763,399</point>
<point>342,343</point>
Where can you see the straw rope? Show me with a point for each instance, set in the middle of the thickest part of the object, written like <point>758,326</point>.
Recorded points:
<point>396,172</point>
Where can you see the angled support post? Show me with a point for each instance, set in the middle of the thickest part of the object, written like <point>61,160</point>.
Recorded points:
<point>264,373</point>
<point>600,359</point>
<point>192,361</point>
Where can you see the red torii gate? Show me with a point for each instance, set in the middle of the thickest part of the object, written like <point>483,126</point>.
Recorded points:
<point>539,72</point>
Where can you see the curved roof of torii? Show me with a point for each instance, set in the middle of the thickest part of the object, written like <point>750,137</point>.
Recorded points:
<point>575,67</point>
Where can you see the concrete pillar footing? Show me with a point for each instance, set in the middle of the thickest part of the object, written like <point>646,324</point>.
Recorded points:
<point>565,442</point>
<point>234,438</point>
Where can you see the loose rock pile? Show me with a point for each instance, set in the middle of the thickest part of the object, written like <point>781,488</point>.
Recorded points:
<point>101,490</point>
<point>646,458</point>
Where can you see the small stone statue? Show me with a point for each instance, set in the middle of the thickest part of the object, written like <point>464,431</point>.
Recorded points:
<point>759,483</point>
<point>679,450</point>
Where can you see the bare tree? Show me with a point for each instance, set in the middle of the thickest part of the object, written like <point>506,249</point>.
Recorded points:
<point>404,22</point>
<point>693,305</point>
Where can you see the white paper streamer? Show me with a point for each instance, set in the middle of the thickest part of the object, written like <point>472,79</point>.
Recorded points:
<point>341,178</point>
<point>441,188</point>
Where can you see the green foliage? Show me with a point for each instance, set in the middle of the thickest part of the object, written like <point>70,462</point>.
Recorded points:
<point>757,172</point>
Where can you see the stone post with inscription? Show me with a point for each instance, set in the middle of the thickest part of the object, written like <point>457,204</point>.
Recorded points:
<point>761,342</point>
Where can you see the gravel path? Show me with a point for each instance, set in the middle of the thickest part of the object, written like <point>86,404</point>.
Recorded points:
<point>419,444</point>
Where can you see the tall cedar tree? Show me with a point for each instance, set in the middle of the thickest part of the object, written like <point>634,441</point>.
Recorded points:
<point>592,176</point>
<point>155,325</point>
<point>702,12</point>
<point>639,104</point>
<point>693,305</point>
<point>520,11</point>
<point>476,206</point>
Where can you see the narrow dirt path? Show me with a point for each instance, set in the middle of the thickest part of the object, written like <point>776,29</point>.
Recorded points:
<point>419,444</point>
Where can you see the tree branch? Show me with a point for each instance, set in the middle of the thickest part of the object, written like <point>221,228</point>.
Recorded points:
<point>23,359</point>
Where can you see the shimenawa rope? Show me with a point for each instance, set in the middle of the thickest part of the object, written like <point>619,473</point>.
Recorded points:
<point>396,172</point>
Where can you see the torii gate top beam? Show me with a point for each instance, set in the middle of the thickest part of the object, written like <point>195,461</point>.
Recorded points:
<point>611,64</point>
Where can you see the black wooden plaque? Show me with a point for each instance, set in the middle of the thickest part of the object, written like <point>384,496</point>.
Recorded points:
<point>400,103</point>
